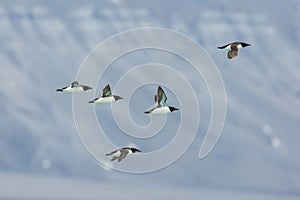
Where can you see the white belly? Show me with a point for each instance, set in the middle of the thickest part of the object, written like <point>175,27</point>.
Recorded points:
<point>228,47</point>
<point>118,153</point>
<point>104,100</point>
<point>74,89</point>
<point>161,111</point>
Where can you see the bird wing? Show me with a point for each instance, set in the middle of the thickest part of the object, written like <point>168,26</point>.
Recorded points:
<point>75,84</point>
<point>114,158</point>
<point>224,46</point>
<point>156,101</point>
<point>123,155</point>
<point>232,53</point>
<point>106,92</point>
<point>161,97</point>
<point>244,44</point>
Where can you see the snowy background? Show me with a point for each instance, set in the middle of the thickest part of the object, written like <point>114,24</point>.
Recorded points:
<point>42,44</point>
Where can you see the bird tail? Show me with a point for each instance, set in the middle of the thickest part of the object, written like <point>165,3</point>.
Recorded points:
<point>147,112</point>
<point>93,101</point>
<point>59,90</point>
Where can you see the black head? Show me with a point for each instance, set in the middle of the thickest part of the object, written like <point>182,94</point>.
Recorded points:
<point>135,150</point>
<point>117,97</point>
<point>86,87</point>
<point>172,108</point>
<point>245,44</point>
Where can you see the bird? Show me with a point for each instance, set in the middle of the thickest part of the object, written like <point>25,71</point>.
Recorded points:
<point>233,48</point>
<point>106,96</point>
<point>120,154</point>
<point>75,87</point>
<point>160,101</point>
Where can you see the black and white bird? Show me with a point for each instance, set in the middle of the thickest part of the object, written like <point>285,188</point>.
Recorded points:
<point>106,97</point>
<point>233,48</point>
<point>120,154</point>
<point>160,101</point>
<point>75,87</point>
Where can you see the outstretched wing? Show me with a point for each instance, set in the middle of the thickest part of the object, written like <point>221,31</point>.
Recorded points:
<point>114,158</point>
<point>224,46</point>
<point>161,97</point>
<point>123,155</point>
<point>106,92</point>
<point>155,99</point>
<point>75,84</point>
<point>232,53</point>
<point>244,44</point>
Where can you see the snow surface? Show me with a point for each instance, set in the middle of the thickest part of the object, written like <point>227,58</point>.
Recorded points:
<point>42,44</point>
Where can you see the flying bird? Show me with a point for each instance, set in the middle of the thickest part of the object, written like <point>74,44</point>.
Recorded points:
<point>233,48</point>
<point>75,87</point>
<point>160,101</point>
<point>106,96</point>
<point>120,154</point>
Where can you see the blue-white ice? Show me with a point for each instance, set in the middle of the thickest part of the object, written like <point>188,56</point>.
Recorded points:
<point>43,43</point>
